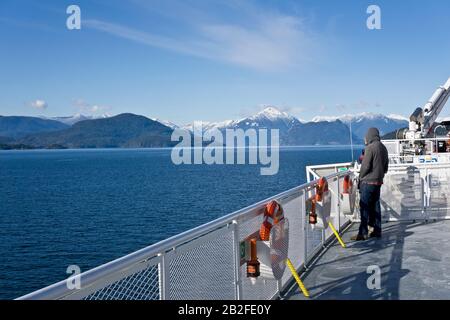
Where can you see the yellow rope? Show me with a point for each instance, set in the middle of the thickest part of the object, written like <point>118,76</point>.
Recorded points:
<point>336,234</point>
<point>297,278</point>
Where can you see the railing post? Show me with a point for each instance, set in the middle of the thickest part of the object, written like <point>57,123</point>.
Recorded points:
<point>237,261</point>
<point>338,204</point>
<point>427,192</point>
<point>305,226</point>
<point>424,191</point>
<point>163,278</point>
<point>279,288</point>
<point>324,237</point>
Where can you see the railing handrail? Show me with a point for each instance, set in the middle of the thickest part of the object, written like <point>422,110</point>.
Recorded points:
<point>60,290</point>
<point>421,139</point>
<point>427,164</point>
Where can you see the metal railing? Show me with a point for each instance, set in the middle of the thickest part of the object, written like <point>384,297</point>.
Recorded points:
<point>323,170</point>
<point>205,262</point>
<point>416,192</point>
<point>411,191</point>
<point>416,186</point>
<point>400,150</point>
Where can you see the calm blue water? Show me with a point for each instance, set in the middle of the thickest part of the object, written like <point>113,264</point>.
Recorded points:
<point>87,207</point>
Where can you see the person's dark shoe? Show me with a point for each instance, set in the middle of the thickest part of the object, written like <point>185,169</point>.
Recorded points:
<point>375,235</point>
<point>359,237</point>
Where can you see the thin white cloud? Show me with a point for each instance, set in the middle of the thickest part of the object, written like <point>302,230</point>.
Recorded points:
<point>84,107</point>
<point>275,43</point>
<point>267,41</point>
<point>39,104</point>
<point>137,36</point>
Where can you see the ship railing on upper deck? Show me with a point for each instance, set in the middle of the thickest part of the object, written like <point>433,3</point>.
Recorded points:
<point>417,185</point>
<point>416,191</point>
<point>205,262</point>
<point>411,191</point>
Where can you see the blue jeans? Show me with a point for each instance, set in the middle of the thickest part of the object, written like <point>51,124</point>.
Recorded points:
<point>370,209</point>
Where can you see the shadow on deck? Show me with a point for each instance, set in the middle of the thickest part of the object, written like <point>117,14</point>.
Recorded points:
<point>414,259</point>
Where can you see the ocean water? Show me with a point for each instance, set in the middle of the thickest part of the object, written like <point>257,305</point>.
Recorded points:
<point>88,207</point>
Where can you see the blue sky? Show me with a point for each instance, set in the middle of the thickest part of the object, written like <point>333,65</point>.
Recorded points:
<point>214,60</point>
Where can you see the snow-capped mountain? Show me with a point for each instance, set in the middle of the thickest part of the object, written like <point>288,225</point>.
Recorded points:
<point>394,116</point>
<point>207,125</point>
<point>71,120</point>
<point>320,133</point>
<point>290,127</point>
<point>321,130</point>
<point>167,123</point>
<point>361,122</point>
<point>269,118</point>
<point>359,117</point>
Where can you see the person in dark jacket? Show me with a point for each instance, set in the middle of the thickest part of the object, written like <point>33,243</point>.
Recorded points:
<point>373,168</point>
<point>361,157</point>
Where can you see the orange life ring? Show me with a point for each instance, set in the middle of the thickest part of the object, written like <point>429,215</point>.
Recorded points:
<point>347,185</point>
<point>321,187</point>
<point>273,214</point>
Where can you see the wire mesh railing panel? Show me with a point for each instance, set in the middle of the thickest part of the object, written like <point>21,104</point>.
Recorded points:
<point>438,182</point>
<point>314,236</point>
<point>143,285</point>
<point>294,211</point>
<point>204,270</point>
<point>314,240</point>
<point>203,263</point>
<point>402,195</point>
<point>259,289</point>
<point>334,215</point>
<point>254,289</point>
<point>392,147</point>
<point>343,218</point>
<point>249,227</point>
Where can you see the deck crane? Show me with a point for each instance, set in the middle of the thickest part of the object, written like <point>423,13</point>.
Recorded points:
<point>422,122</point>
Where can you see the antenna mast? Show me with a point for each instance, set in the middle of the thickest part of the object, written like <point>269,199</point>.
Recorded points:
<point>351,139</point>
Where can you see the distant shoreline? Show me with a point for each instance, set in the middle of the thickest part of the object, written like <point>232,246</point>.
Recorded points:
<point>329,146</point>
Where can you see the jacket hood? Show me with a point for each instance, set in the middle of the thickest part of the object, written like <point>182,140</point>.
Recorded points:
<point>372,135</point>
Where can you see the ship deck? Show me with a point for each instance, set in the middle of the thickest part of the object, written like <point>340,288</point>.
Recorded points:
<point>413,257</point>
